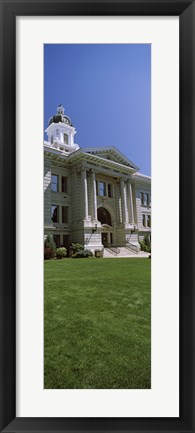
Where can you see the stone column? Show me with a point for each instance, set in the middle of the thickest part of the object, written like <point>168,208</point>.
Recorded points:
<point>131,219</point>
<point>94,196</point>
<point>84,176</point>
<point>124,202</point>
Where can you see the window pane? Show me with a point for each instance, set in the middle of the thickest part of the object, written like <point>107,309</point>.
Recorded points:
<point>64,214</point>
<point>109,190</point>
<point>64,184</point>
<point>54,182</point>
<point>143,220</point>
<point>142,197</point>
<point>55,213</point>
<point>149,221</point>
<point>102,188</point>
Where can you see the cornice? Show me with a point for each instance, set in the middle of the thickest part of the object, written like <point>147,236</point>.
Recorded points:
<point>141,178</point>
<point>79,155</point>
<point>112,150</point>
<point>97,162</point>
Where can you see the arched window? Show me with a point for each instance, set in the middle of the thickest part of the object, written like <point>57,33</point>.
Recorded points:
<point>65,138</point>
<point>104,216</point>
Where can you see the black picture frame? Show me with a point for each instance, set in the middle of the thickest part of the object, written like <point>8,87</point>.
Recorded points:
<point>185,9</point>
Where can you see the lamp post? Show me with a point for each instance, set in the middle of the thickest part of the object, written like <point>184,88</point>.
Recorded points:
<point>95,229</point>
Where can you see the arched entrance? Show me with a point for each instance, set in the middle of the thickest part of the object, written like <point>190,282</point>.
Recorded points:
<point>104,218</point>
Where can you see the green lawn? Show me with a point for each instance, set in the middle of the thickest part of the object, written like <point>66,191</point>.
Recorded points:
<point>97,323</point>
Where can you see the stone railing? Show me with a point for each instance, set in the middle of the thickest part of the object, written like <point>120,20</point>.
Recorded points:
<point>113,250</point>
<point>134,248</point>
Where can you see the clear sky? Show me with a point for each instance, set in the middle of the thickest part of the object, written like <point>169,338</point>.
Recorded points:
<point>106,91</point>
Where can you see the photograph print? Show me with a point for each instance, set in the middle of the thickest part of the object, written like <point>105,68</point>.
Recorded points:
<point>97,216</point>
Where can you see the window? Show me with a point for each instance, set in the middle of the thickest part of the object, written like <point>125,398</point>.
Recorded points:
<point>57,131</point>
<point>66,241</point>
<point>56,239</point>
<point>149,220</point>
<point>65,138</point>
<point>54,182</point>
<point>64,184</point>
<point>147,199</point>
<point>102,188</point>
<point>64,214</point>
<point>55,213</point>
<point>142,197</point>
<point>143,220</point>
<point>51,139</point>
<point>109,190</point>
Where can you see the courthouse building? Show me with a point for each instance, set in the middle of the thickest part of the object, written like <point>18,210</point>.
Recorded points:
<point>94,196</point>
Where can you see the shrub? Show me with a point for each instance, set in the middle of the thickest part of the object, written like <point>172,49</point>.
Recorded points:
<point>78,254</point>
<point>49,243</point>
<point>145,245</point>
<point>77,251</point>
<point>61,253</point>
<point>74,248</point>
<point>77,247</point>
<point>48,253</point>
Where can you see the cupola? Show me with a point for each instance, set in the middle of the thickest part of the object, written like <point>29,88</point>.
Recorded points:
<point>61,131</point>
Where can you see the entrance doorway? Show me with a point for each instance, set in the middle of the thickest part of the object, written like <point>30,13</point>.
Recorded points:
<point>105,239</point>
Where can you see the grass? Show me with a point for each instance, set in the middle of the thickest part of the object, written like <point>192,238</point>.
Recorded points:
<point>97,331</point>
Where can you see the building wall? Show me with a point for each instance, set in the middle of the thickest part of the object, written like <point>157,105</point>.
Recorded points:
<point>141,187</point>
<point>76,228</point>
<point>56,198</point>
<point>47,193</point>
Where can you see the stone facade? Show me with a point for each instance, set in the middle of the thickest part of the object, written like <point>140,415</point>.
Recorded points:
<point>94,196</point>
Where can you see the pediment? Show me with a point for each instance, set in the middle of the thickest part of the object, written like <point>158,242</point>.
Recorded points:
<point>111,154</point>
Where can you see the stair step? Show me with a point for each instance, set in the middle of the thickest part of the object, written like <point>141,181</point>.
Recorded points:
<point>124,252</point>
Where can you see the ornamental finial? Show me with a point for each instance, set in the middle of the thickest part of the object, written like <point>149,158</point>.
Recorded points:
<point>60,109</point>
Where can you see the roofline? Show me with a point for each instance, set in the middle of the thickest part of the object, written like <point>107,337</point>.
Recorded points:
<point>110,148</point>
<point>98,158</point>
<point>141,177</point>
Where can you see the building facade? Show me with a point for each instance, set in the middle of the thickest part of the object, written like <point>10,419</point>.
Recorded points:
<point>93,196</point>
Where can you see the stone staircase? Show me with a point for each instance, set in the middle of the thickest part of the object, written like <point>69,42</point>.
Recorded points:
<point>122,252</point>
<point>111,252</point>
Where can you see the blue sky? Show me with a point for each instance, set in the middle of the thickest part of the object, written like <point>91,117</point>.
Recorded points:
<point>106,91</point>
